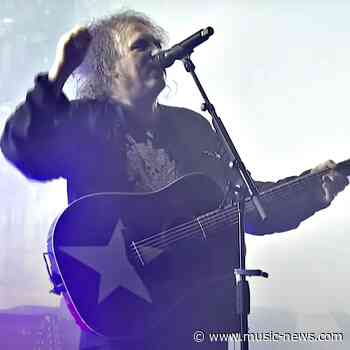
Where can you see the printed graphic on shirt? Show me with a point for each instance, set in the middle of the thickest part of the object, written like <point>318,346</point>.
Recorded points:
<point>148,168</point>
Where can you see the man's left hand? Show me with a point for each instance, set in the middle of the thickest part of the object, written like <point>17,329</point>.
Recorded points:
<point>332,181</point>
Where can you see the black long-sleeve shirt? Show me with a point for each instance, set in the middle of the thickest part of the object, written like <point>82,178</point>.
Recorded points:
<point>84,141</point>
<point>91,144</point>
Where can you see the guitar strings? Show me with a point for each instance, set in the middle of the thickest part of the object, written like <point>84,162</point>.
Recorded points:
<point>204,219</point>
<point>188,233</point>
<point>143,251</point>
<point>266,194</point>
<point>230,213</point>
<point>218,226</point>
<point>194,227</point>
<point>194,224</point>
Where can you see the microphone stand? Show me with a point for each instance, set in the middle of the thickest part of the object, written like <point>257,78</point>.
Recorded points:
<point>241,273</point>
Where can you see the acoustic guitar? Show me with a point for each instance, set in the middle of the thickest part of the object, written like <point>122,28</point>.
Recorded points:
<point>123,261</point>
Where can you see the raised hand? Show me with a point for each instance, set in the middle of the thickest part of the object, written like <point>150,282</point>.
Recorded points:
<point>71,50</point>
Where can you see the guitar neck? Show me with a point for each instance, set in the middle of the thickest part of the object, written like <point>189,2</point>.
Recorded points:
<point>290,189</point>
<point>304,181</point>
<point>216,221</point>
<point>281,192</point>
<point>344,167</point>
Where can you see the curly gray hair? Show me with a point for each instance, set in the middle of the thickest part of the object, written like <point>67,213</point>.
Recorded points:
<point>95,75</point>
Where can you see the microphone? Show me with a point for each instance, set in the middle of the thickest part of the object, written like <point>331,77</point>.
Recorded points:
<point>166,58</point>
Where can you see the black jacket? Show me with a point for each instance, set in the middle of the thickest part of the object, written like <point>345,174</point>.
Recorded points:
<point>83,141</point>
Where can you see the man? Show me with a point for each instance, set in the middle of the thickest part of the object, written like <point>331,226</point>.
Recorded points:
<point>117,137</point>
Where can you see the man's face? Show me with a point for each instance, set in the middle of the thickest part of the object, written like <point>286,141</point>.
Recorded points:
<point>137,76</point>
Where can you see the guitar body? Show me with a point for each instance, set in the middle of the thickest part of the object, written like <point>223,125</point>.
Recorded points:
<point>123,266</point>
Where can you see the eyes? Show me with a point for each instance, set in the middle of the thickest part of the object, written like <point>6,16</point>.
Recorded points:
<point>144,44</point>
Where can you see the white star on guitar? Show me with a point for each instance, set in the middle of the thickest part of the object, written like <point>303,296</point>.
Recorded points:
<point>112,264</point>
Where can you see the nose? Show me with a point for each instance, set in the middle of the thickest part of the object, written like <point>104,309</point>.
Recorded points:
<point>155,50</point>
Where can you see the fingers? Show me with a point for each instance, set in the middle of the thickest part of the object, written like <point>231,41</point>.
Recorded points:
<point>327,194</point>
<point>71,51</point>
<point>332,184</point>
<point>328,164</point>
<point>77,30</point>
<point>80,37</point>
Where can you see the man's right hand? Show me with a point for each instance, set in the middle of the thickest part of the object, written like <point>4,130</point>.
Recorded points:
<point>70,53</point>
